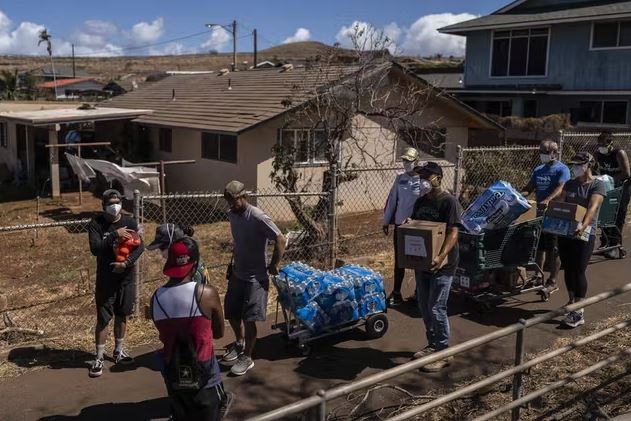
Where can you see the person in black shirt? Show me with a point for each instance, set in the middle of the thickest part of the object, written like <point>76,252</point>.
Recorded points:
<point>432,288</point>
<point>615,163</point>
<point>115,291</point>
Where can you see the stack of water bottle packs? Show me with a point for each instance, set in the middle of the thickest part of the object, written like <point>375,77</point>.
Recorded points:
<point>322,299</point>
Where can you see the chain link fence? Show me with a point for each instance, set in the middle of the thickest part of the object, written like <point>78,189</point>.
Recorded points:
<point>480,167</point>
<point>572,142</point>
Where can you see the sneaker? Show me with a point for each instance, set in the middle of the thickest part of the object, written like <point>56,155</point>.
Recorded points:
<point>395,299</point>
<point>97,368</point>
<point>233,351</point>
<point>424,352</point>
<point>225,405</point>
<point>243,364</point>
<point>551,286</point>
<point>574,319</point>
<point>122,358</point>
<point>437,365</point>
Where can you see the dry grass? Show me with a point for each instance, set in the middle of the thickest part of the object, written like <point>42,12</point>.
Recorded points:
<point>603,394</point>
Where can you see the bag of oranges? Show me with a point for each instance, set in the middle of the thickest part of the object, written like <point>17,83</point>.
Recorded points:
<point>124,247</point>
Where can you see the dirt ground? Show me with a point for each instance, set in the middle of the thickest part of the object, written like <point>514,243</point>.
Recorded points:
<point>282,376</point>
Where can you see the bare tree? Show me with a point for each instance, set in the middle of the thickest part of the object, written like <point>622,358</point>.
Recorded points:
<point>332,106</point>
<point>44,36</point>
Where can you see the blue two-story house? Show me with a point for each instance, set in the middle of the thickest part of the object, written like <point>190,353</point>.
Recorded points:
<point>538,57</point>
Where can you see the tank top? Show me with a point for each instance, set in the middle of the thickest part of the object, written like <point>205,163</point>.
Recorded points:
<point>178,310</point>
<point>608,163</point>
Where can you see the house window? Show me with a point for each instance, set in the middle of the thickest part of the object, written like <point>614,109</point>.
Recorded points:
<point>166,136</point>
<point>219,147</point>
<point>521,52</point>
<point>3,135</point>
<point>499,108</point>
<point>309,145</point>
<point>611,35</point>
<point>603,112</point>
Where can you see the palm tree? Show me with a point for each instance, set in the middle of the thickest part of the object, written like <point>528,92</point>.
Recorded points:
<point>9,84</point>
<point>44,36</point>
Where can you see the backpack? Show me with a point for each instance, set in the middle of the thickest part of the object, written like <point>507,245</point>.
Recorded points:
<point>184,372</point>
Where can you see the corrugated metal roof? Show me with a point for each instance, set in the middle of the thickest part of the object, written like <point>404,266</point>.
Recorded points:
<point>603,11</point>
<point>66,82</point>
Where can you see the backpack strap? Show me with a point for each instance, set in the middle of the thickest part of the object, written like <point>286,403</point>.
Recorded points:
<point>160,305</point>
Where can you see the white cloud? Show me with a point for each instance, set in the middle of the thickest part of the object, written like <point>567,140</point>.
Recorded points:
<point>146,33</point>
<point>100,27</point>
<point>302,34</point>
<point>364,36</point>
<point>20,40</point>
<point>423,39</point>
<point>218,40</point>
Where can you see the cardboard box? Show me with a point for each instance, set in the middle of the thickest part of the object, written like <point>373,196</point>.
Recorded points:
<point>418,243</point>
<point>563,218</point>
<point>530,214</point>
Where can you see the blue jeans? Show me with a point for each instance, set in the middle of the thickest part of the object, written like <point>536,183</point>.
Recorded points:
<point>433,292</point>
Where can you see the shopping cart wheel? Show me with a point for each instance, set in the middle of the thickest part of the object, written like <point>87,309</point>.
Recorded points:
<point>376,326</point>
<point>545,295</point>
<point>304,349</point>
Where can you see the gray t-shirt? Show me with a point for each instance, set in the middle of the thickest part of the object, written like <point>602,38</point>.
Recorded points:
<point>580,194</point>
<point>251,231</point>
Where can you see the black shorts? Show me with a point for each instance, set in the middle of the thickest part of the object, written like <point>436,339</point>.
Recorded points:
<point>246,300</point>
<point>114,299</point>
<point>547,242</point>
<point>202,405</point>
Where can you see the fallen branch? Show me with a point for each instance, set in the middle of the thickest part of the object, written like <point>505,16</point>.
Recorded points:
<point>389,386</point>
<point>21,330</point>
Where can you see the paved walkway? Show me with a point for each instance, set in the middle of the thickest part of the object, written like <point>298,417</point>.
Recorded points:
<point>281,376</point>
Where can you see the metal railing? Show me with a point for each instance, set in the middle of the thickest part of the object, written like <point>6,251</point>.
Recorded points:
<point>322,397</point>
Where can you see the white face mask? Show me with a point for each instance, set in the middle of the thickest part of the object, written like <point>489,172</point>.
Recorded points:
<point>113,209</point>
<point>578,170</point>
<point>408,166</point>
<point>545,157</point>
<point>426,187</point>
<point>603,150</point>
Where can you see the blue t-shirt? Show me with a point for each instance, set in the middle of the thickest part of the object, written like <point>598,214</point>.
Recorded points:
<point>546,178</point>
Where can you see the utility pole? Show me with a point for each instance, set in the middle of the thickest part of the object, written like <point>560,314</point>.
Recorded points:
<point>234,45</point>
<point>74,73</point>
<point>255,50</point>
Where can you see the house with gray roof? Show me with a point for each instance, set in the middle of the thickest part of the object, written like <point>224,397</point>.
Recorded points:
<point>534,58</point>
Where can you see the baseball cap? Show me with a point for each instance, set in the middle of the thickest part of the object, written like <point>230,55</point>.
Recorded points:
<point>410,154</point>
<point>183,255</point>
<point>166,234</point>
<point>234,189</point>
<point>429,167</point>
<point>110,194</point>
<point>581,158</point>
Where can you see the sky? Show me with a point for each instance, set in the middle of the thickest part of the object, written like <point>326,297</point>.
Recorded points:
<point>154,27</point>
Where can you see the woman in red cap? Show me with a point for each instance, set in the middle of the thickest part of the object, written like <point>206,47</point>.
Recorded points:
<point>189,316</point>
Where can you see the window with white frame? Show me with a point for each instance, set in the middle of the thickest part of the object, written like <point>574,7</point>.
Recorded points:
<point>520,52</point>
<point>3,135</point>
<point>603,112</point>
<point>611,35</point>
<point>309,145</point>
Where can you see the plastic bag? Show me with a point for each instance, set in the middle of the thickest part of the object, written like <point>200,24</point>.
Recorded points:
<point>496,208</point>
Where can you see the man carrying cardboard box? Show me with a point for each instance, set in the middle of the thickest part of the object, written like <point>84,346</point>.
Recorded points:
<point>433,284</point>
<point>588,192</point>
<point>547,182</point>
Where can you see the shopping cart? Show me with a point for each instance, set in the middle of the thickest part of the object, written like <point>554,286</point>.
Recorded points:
<point>296,332</point>
<point>607,221</point>
<point>486,256</point>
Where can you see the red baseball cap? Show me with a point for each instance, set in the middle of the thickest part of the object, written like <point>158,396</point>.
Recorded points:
<point>183,255</point>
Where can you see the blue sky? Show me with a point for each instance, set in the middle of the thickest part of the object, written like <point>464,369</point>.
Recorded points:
<point>111,27</point>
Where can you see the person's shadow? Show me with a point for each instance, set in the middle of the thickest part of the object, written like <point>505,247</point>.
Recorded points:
<point>29,357</point>
<point>149,410</point>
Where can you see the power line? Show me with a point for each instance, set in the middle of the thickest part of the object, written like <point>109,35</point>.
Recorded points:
<point>142,47</point>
